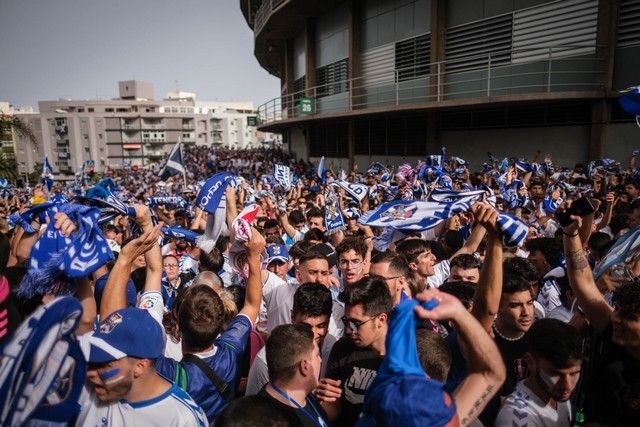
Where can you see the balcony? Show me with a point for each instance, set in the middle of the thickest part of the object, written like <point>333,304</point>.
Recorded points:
<point>558,72</point>
<point>64,155</point>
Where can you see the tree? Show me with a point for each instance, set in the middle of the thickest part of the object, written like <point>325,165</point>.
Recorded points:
<point>9,126</point>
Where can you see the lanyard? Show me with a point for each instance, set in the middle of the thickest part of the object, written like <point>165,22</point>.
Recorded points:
<point>319,422</point>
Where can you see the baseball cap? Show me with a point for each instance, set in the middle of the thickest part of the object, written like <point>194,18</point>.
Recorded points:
<point>277,252</point>
<point>126,332</point>
<point>328,251</point>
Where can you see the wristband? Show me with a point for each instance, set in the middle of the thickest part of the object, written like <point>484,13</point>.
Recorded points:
<point>570,235</point>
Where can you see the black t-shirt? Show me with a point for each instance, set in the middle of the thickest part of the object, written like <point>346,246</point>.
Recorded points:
<point>612,390</point>
<point>296,416</point>
<point>513,355</point>
<point>356,367</point>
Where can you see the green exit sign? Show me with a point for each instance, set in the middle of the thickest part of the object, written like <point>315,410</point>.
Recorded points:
<point>307,105</point>
<point>252,120</point>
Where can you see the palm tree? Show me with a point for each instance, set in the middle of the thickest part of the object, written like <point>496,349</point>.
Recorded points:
<point>10,125</point>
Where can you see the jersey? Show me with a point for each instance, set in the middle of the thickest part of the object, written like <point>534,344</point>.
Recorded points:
<point>524,408</point>
<point>356,368</point>
<point>223,359</point>
<point>174,407</point>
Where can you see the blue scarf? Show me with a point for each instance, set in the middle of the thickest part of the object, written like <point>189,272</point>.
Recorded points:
<point>180,233</point>
<point>56,259</point>
<point>391,398</point>
<point>212,191</point>
<point>332,216</point>
<point>174,201</point>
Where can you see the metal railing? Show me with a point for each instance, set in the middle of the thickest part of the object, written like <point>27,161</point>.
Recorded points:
<point>541,70</point>
<point>264,13</point>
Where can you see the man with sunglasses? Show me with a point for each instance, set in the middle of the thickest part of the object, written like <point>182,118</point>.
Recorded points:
<point>356,357</point>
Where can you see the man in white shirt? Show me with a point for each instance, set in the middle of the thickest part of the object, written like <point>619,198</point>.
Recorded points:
<point>123,387</point>
<point>555,359</point>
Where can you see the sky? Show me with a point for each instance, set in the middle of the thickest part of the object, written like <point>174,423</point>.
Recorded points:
<point>80,49</point>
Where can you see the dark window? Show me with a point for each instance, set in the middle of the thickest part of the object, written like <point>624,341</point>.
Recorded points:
<point>332,79</point>
<point>412,57</point>
<point>330,140</point>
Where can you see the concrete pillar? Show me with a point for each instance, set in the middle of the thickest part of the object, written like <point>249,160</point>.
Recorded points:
<point>607,30</point>
<point>355,52</point>
<point>438,54</point>
<point>287,98</point>
<point>310,55</point>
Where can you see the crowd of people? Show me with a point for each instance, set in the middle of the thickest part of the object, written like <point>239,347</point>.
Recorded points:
<point>262,290</point>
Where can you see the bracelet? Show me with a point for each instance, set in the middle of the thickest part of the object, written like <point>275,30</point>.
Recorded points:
<point>570,235</point>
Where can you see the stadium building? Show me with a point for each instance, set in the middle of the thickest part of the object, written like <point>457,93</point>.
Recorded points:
<point>393,80</point>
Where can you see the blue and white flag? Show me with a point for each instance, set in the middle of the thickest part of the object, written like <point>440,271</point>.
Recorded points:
<point>42,369</point>
<point>333,219</point>
<point>630,102</point>
<point>56,259</point>
<point>212,191</point>
<point>442,204</point>
<point>355,190</point>
<point>622,251</point>
<point>174,165</point>
<point>47,174</point>
<point>322,169</point>
<point>282,175</point>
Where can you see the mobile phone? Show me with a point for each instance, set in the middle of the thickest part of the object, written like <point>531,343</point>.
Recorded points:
<point>581,207</point>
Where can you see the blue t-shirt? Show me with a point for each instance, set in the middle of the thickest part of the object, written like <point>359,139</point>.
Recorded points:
<point>229,348</point>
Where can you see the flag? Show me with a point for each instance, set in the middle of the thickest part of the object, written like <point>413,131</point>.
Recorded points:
<point>47,174</point>
<point>622,251</point>
<point>441,205</point>
<point>282,175</point>
<point>212,191</point>
<point>42,370</point>
<point>322,169</point>
<point>354,190</point>
<point>174,163</point>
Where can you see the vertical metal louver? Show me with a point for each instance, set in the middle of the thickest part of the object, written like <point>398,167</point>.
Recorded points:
<point>469,45</point>
<point>629,23</point>
<point>412,57</point>
<point>299,85</point>
<point>378,65</point>
<point>332,79</point>
<point>560,27</point>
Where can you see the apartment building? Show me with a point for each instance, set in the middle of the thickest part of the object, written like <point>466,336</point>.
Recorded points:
<point>131,130</point>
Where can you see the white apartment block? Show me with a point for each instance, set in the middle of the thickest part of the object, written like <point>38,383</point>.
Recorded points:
<point>133,129</point>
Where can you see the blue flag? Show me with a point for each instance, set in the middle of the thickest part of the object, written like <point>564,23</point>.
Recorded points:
<point>181,233</point>
<point>212,191</point>
<point>322,169</point>
<point>47,174</point>
<point>332,216</point>
<point>42,368</point>
<point>175,201</point>
<point>174,165</point>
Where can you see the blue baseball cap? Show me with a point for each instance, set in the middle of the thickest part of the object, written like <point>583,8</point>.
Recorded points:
<point>277,252</point>
<point>127,332</point>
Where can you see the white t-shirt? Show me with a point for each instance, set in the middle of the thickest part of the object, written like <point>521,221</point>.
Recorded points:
<point>277,296</point>
<point>172,408</point>
<point>441,273</point>
<point>523,407</point>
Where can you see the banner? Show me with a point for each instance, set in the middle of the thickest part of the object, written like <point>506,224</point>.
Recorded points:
<point>212,191</point>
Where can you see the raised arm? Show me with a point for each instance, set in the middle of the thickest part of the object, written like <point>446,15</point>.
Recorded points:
<point>232,208</point>
<point>114,296</point>
<point>486,369</point>
<point>253,295</point>
<point>474,240</point>
<point>486,299</point>
<point>286,226</point>
<point>590,300</point>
